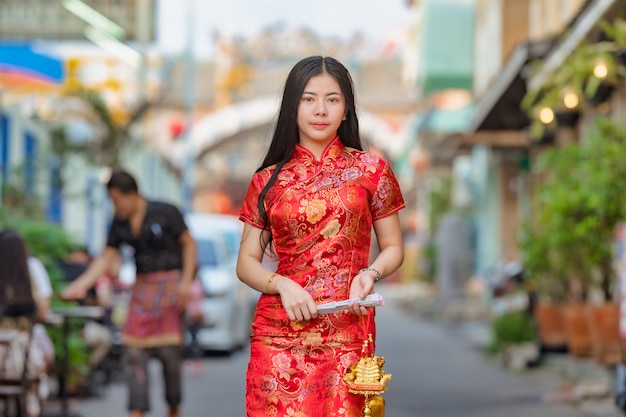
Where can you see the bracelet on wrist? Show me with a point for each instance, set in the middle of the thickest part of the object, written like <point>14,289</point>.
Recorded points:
<point>374,270</point>
<point>269,281</point>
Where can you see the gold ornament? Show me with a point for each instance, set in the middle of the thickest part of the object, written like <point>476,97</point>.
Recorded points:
<point>366,377</point>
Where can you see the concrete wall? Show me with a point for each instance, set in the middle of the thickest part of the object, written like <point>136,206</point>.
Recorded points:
<point>488,44</point>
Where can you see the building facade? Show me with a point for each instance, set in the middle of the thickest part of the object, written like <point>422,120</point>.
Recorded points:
<point>491,139</point>
<point>52,20</point>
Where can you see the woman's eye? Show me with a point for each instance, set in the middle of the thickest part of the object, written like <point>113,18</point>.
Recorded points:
<point>307,98</point>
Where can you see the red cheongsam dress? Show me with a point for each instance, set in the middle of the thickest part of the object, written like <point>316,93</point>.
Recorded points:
<point>320,216</point>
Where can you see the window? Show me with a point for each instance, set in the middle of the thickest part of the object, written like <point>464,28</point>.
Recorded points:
<point>207,252</point>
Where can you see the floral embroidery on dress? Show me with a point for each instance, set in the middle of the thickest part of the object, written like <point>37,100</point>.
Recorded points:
<point>314,209</point>
<point>282,362</point>
<point>351,174</point>
<point>331,229</point>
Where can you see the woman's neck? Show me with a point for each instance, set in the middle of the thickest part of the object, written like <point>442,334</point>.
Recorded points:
<point>317,148</point>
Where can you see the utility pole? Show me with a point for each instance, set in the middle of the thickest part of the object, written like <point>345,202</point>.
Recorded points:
<point>143,29</point>
<point>190,104</point>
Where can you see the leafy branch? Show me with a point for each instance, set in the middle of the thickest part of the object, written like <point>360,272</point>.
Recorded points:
<point>579,75</point>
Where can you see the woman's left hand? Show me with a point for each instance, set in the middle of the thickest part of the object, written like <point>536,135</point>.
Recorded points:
<point>362,286</point>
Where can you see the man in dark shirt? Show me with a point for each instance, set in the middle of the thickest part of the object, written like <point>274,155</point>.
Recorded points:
<point>165,256</point>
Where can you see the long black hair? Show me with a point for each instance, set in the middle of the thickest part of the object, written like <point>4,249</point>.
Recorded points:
<point>286,134</point>
<point>15,285</point>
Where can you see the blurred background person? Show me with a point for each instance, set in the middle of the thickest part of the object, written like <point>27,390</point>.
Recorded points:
<point>165,258</point>
<point>17,289</point>
<point>42,291</point>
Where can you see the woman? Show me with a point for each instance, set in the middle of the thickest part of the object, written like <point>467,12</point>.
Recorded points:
<point>16,290</point>
<point>315,199</point>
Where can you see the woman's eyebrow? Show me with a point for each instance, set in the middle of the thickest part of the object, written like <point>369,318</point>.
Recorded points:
<point>329,94</point>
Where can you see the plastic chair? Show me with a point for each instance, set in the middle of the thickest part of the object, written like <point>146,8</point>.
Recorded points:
<point>16,321</point>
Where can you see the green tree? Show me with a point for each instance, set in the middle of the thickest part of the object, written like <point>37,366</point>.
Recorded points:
<point>112,129</point>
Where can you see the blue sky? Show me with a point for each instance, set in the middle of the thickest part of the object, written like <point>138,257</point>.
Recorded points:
<point>376,19</point>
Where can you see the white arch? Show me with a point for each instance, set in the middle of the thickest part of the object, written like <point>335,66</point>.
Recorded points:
<point>245,115</point>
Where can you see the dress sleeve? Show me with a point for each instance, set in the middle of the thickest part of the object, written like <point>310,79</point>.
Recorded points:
<point>250,211</point>
<point>387,198</point>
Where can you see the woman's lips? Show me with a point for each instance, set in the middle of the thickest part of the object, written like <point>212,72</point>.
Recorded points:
<point>319,125</point>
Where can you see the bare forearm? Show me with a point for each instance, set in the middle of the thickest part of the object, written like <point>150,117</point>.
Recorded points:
<point>96,269</point>
<point>388,260</point>
<point>391,244</point>
<point>43,307</point>
<point>254,274</point>
<point>190,260</point>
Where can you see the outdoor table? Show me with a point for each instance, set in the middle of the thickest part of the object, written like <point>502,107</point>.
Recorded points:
<point>67,313</point>
<point>6,336</point>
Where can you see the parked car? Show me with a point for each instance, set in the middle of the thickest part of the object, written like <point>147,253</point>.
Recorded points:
<point>228,304</point>
<point>227,226</point>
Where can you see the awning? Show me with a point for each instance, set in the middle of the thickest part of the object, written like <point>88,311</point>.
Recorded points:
<point>447,45</point>
<point>593,12</point>
<point>449,121</point>
<point>500,106</point>
<point>23,66</point>
<point>435,131</point>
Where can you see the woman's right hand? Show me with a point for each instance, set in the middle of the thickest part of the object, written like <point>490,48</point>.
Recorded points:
<point>297,302</point>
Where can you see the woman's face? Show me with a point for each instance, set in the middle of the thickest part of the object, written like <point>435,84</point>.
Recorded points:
<point>322,109</point>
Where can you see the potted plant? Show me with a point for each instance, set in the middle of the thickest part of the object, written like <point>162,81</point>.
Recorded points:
<point>547,280</point>
<point>578,206</point>
<point>514,338</point>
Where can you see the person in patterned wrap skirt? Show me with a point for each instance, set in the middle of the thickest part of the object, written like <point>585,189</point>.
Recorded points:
<point>314,201</point>
<point>165,255</point>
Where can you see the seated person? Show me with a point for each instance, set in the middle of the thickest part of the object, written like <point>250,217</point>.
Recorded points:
<point>42,291</point>
<point>16,289</point>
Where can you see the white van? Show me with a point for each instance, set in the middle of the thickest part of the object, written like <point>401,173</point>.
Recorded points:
<point>228,304</point>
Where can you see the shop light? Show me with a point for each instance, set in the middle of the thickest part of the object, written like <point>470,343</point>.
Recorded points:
<point>600,70</point>
<point>546,115</point>
<point>570,100</point>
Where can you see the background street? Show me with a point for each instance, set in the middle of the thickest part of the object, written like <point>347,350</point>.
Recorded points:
<point>436,373</point>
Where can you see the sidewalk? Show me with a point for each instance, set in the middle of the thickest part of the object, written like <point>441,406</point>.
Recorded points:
<point>579,382</point>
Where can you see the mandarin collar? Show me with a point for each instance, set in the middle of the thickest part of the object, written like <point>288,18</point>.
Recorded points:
<point>332,149</point>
